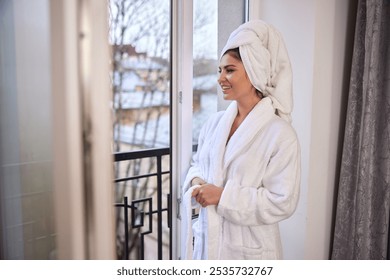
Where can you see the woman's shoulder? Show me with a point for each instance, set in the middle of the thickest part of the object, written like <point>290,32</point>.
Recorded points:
<point>214,118</point>
<point>282,128</point>
<point>217,116</point>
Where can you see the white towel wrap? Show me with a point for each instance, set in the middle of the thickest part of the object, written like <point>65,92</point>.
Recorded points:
<point>266,62</point>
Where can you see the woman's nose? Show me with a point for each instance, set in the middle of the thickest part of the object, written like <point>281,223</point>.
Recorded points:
<point>221,77</point>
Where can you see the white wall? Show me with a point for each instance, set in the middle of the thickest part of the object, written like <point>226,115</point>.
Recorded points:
<point>334,40</point>
<point>316,37</point>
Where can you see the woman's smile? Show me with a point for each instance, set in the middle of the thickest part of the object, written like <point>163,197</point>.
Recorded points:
<point>225,87</point>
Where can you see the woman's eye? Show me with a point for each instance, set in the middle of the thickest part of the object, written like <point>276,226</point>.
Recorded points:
<point>227,70</point>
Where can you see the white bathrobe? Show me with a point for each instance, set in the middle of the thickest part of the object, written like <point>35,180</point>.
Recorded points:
<point>259,169</point>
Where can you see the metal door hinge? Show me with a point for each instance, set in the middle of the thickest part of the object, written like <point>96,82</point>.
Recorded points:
<point>178,205</point>
<point>180,97</point>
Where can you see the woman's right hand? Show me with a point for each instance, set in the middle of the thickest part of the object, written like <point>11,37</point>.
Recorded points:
<point>207,194</point>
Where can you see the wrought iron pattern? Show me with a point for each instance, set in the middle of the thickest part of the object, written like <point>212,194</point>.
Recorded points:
<point>138,215</point>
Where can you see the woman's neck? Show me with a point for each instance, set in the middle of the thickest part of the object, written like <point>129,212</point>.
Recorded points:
<point>244,108</point>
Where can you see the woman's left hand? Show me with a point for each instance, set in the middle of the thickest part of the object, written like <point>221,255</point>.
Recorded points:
<point>207,194</point>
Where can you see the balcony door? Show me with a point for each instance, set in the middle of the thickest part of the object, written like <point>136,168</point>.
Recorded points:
<point>56,186</point>
<point>82,132</point>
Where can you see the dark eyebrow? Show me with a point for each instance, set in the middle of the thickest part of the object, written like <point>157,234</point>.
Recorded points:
<point>229,65</point>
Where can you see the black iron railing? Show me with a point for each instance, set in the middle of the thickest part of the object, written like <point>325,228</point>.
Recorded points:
<point>137,209</point>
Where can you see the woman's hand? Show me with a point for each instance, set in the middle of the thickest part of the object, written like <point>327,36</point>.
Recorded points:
<point>207,194</point>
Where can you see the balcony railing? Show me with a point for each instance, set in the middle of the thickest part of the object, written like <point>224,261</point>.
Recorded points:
<point>144,213</point>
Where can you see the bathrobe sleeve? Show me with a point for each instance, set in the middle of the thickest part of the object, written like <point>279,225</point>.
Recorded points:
<point>194,170</point>
<point>275,199</point>
<point>197,169</point>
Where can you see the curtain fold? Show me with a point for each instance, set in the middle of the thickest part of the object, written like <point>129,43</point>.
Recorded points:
<point>363,203</point>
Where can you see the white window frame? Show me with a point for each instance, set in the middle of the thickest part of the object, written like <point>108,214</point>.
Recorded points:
<point>182,98</point>
<point>181,106</point>
<point>83,179</point>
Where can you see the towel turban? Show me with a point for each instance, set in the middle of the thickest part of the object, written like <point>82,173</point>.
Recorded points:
<point>265,59</point>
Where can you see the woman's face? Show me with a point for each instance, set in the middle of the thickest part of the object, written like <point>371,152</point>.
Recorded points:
<point>234,80</point>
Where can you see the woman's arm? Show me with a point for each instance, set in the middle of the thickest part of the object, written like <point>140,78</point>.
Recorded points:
<point>275,200</point>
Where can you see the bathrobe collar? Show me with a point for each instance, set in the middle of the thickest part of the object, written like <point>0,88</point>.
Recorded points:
<point>249,128</point>
<point>224,154</point>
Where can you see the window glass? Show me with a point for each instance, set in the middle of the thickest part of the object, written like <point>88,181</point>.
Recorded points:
<point>139,36</point>
<point>140,41</point>
<point>205,62</point>
<point>27,229</point>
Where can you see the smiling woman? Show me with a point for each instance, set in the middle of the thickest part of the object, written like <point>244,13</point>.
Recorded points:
<point>245,176</point>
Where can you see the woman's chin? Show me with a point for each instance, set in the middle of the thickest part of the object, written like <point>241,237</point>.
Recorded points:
<point>226,96</point>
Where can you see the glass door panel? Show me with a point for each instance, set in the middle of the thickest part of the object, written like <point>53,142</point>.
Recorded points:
<point>205,62</point>
<point>27,229</point>
<point>140,42</point>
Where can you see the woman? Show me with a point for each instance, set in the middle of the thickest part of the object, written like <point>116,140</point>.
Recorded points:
<point>245,175</point>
